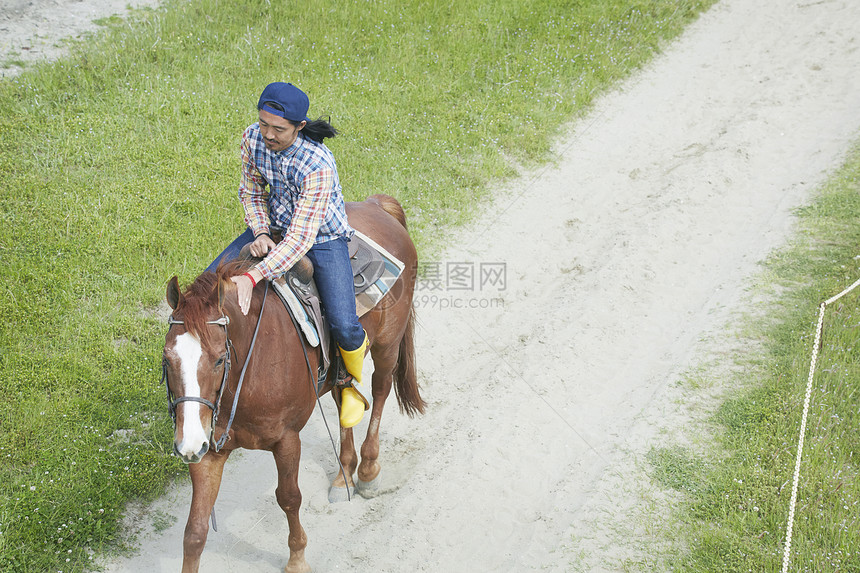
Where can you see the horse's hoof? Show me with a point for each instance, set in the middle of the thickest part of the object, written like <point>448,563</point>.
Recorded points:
<point>367,489</point>
<point>339,494</point>
<point>301,568</point>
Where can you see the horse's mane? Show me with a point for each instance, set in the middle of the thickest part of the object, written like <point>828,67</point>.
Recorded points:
<point>202,295</point>
<point>235,267</point>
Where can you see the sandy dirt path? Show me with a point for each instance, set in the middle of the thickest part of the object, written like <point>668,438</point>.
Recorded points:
<point>618,262</point>
<point>36,30</point>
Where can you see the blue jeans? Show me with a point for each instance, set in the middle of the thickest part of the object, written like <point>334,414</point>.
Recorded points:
<point>333,276</point>
<point>232,251</point>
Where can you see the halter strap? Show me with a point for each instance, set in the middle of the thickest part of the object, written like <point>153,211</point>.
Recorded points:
<point>203,401</point>
<point>223,321</point>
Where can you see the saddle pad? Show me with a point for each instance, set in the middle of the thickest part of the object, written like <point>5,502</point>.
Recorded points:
<point>297,309</point>
<point>373,293</point>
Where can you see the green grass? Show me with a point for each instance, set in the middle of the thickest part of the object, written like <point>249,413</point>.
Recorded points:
<point>737,499</point>
<point>12,62</point>
<point>119,168</point>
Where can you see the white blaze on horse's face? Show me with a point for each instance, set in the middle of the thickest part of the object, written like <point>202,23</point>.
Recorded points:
<point>195,438</point>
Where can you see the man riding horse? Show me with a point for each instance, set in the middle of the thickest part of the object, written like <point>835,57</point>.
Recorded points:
<point>289,188</point>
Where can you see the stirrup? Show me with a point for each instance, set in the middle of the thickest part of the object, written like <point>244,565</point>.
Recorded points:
<point>352,402</point>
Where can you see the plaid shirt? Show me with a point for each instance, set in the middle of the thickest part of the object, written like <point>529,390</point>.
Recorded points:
<point>297,190</point>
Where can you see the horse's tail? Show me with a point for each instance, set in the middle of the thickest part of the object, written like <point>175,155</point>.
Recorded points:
<point>405,374</point>
<point>391,206</point>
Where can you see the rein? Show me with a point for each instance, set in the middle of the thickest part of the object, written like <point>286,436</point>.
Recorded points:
<point>315,390</point>
<point>225,436</point>
<point>172,401</point>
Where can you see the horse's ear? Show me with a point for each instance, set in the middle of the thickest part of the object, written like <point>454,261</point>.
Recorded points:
<point>173,294</point>
<point>221,294</point>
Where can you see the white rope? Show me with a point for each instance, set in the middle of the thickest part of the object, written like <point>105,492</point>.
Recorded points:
<point>815,347</point>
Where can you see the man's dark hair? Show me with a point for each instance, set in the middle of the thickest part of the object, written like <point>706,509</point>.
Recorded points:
<point>316,129</point>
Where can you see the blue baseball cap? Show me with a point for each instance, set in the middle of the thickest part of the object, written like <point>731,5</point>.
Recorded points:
<point>289,101</point>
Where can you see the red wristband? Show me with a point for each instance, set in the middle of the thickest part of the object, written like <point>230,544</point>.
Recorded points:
<point>253,282</point>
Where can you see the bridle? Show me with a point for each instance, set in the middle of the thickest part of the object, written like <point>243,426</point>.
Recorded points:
<point>173,401</point>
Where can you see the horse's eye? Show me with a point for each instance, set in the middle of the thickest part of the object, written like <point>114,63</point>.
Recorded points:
<point>219,362</point>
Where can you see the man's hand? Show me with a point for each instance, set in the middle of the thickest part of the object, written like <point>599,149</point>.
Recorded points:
<point>261,246</point>
<point>245,288</point>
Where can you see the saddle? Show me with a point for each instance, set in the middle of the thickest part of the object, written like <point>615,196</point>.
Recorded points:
<point>298,290</point>
<point>374,271</point>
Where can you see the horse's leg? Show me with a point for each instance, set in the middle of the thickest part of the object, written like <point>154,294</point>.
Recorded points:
<point>383,368</point>
<point>205,481</point>
<point>342,489</point>
<point>287,455</point>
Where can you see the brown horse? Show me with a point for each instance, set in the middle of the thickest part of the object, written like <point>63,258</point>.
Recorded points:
<point>278,392</point>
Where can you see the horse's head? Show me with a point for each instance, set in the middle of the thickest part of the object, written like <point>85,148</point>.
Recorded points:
<point>196,362</point>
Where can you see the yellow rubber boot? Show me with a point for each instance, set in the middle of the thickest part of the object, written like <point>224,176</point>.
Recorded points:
<point>352,401</point>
